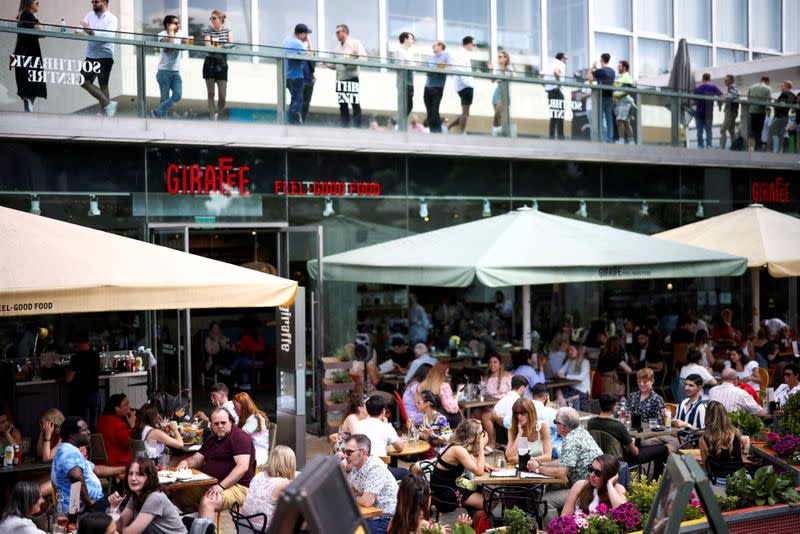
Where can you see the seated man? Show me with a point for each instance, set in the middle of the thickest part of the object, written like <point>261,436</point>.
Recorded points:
<point>377,428</point>
<point>791,383</point>
<point>694,367</point>
<point>421,357</point>
<point>632,454</point>
<point>733,398</point>
<point>691,414</point>
<point>371,481</point>
<point>541,396</point>
<point>228,455</point>
<point>219,398</point>
<point>69,466</point>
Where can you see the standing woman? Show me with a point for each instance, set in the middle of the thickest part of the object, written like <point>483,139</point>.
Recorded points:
<point>148,509</point>
<point>503,68</point>
<point>28,88</point>
<point>215,67</point>
<point>49,437</point>
<point>255,422</point>
<point>24,503</point>
<point>525,424</point>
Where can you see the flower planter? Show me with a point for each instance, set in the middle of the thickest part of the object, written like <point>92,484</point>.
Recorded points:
<point>777,519</point>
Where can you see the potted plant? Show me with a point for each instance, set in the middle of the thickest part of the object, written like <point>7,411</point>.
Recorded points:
<point>517,521</point>
<point>790,420</point>
<point>749,424</point>
<point>343,355</point>
<point>340,377</point>
<point>765,488</point>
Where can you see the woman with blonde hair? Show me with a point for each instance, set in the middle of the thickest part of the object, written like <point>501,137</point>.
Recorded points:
<point>722,444</point>
<point>49,438</point>
<point>525,424</point>
<point>267,486</point>
<point>215,66</point>
<point>503,68</point>
<point>255,422</point>
<point>437,382</point>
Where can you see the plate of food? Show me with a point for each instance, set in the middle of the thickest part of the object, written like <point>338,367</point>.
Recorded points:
<point>183,474</point>
<point>167,477</point>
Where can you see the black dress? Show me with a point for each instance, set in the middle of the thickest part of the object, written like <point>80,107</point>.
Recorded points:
<point>443,485</point>
<point>28,47</point>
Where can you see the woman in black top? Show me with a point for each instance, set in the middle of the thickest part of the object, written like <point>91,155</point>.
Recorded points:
<point>721,445</point>
<point>30,79</point>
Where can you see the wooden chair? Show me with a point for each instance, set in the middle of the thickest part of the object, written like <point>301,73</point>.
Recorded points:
<point>672,408</point>
<point>764,374</point>
<point>332,440</point>
<point>385,459</point>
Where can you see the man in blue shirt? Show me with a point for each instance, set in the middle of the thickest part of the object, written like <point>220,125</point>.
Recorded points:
<point>295,45</point>
<point>434,86</point>
<point>704,110</point>
<point>421,357</point>
<point>605,75</point>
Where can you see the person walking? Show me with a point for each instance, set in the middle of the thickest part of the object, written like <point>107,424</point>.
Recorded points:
<point>758,94</point>
<point>604,75</point>
<point>295,45</point>
<point>434,86</point>
<point>704,110</point>
<point>404,56</point>
<point>30,80</point>
<point>503,68</point>
<point>731,112</point>
<point>168,75</point>
<point>464,84</point>
<point>99,22</point>
<point>624,102</point>
<point>215,66</point>
<point>780,118</point>
<point>347,84</point>
<point>555,98</point>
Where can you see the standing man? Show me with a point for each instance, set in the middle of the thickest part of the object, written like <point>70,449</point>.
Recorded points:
<point>309,78</point>
<point>624,102</point>
<point>758,94</point>
<point>464,84</point>
<point>169,66</point>
<point>731,111</point>
<point>295,45</point>
<point>371,481</point>
<point>100,22</point>
<point>605,76</point>
<point>434,90</point>
<point>555,98</point>
<point>418,321</point>
<point>704,110</point>
<point>780,117</point>
<point>228,455</point>
<point>83,382</point>
<point>347,90</point>
<point>405,57</point>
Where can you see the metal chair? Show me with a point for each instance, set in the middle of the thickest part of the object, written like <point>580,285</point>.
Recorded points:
<point>427,467</point>
<point>245,522</point>
<point>504,498</point>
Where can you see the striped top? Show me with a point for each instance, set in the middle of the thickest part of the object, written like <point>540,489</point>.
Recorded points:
<point>220,36</point>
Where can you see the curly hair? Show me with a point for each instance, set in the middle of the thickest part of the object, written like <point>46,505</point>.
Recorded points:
<point>468,435</point>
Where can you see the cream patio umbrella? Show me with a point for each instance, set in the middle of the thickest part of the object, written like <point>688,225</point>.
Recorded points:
<point>50,266</point>
<point>765,237</point>
<point>522,248</point>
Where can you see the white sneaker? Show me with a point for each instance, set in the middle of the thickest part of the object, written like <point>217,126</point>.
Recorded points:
<point>111,108</point>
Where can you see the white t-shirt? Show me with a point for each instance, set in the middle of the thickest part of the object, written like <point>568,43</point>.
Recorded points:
<point>505,404</point>
<point>783,393</point>
<point>556,64</point>
<point>105,21</point>
<point>379,433</point>
<point>696,369</point>
<point>461,59</point>
<point>404,56</point>
<point>170,58</point>
<point>746,372</point>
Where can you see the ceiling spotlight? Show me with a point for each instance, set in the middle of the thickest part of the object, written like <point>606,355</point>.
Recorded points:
<point>328,211</point>
<point>35,209</point>
<point>487,208</point>
<point>94,206</point>
<point>582,211</point>
<point>669,286</point>
<point>644,211</point>
<point>700,213</point>
<point>423,210</point>
<point>535,205</point>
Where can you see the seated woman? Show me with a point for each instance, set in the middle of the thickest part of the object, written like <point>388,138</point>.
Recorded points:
<point>148,509</point>
<point>218,347</point>
<point>155,439</point>
<point>49,438</point>
<point>745,368</point>
<point>464,452</point>
<point>115,424</point>
<point>24,502</point>
<point>575,367</point>
<point>433,424</point>
<point>722,444</point>
<point>525,424</point>
<point>495,383</point>
<point>413,506</point>
<point>251,347</point>
<point>266,486</point>
<point>356,411</point>
<point>9,434</point>
<point>98,523</point>
<point>611,364</point>
<point>410,393</point>
<point>255,422</point>
<point>600,487</point>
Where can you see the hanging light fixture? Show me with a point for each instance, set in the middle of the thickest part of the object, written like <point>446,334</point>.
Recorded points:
<point>423,210</point>
<point>644,211</point>
<point>700,213</point>
<point>487,208</point>
<point>582,211</point>
<point>94,206</point>
<point>328,211</point>
<point>35,208</point>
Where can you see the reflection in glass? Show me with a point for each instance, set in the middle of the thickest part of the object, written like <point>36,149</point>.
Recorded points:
<point>237,17</point>
<point>567,32</point>
<point>466,17</point>
<point>792,37</point>
<point>519,30</point>
<point>277,19</point>
<point>726,56</point>
<point>731,19</point>
<point>415,16</point>
<point>767,24</point>
<point>654,16</point>
<point>655,57</point>
<point>698,56</point>
<point>619,46</point>
<point>363,23</point>
<point>614,14</point>
<point>694,19</point>
<point>149,14</point>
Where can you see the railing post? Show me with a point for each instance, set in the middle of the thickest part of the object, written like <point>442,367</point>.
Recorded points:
<point>637,132</point>
<point>280,106</point>
<point>505,102</point>
<point>404,76</point>
<point>676,111</point>
<point>744,127</point>
<point>141,81</point>
<point>596,130</point>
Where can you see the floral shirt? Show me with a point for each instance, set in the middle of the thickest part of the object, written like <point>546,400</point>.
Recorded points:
<point>374,477</point>
<point>577,452</point>
<point>650,408</point>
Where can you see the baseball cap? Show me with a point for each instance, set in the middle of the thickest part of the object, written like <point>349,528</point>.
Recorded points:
<point>302,28</point>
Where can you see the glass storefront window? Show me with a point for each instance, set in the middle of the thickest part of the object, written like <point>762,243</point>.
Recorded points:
<point>277,19</point>
<point>149,14</point>
<point>519,30</point>
<point>767,24</point>
<point>655,57</point>
<point>466,17</point>
<point>654,16</point>
<point>763,55</point>
<point>619,46</point>
<point>726,56</point>
<point>792,37</point>
<point>363,23</point>
<point>694,19</point>
<point>415,16</point>
<point>731,19</point>
<point>567,32</point>
<point>434,176</point>
<point>237,17</point>
<point>698,56</point>
<point>614,14</point>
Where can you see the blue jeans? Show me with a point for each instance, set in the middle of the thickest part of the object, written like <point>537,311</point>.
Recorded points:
<point>379,524</point>
<point>703,125</point>
<point>607,120</point>
<point>168,81</point>
<point>295,86</point>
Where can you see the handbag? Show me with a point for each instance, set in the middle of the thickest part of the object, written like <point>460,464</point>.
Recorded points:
<point>466,483</point>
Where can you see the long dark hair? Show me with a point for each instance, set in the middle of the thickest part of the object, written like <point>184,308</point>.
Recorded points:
<point>609,465</point>
<point>24,5</point>
<point>23,498</point>
<point>147,415</point>
<point>413,503</point>
<point>114,402</point>
<point>420,374</point>
<point>357,400</point>
<point>148,469</point>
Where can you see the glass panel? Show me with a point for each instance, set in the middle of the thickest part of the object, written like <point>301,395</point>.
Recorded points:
<point>699,56</point>
<point>792,37</point>
<point>567,32</point>
<point>277,19</point>
<point>767,26</point>
<point>656,119</point>
<point>149,14</point>
<point>363,23</point>
<point>619,46</point>
<point>237,17</point>
<point>694,19</point>
<point>614,14</point>
<point>731,18</point>
<point>655,57</point>
<point>762,55</point>
<point>726,56</point>
<point>443,178</point>
<point>415,16</point>
<point>519,30</point>
<point>654,16</point>
<point>466,17</point>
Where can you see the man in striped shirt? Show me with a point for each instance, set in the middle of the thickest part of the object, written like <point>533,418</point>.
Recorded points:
<point>732,397</point>
<point>692,410</point>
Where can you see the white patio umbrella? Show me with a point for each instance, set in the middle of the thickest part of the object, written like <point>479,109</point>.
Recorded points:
<point>765,237</point>
<point>522,248</point>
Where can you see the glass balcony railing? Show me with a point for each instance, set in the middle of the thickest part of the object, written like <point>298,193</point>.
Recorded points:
<point>193,79</point>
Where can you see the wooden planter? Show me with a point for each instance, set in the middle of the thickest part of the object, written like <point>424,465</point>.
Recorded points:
<point>777,519</point>
<point>333,410</point>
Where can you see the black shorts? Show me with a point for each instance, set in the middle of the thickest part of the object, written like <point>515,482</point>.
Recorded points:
<point>756,125</point>
<point>466,96</point>
<point>215,67</point>
<point>104,71</point>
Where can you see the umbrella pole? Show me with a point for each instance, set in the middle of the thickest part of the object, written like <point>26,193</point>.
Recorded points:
<point>755,288</point>
<point>526,317</point>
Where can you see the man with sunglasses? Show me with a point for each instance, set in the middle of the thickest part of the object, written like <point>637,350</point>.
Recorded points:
<point>371,481</point>
<point>791,383</point>
<point>168,74</point>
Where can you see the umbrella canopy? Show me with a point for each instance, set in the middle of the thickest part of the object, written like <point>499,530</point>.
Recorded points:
<point>681,79</point>
<point>49,266</point>
<point>525,247</point>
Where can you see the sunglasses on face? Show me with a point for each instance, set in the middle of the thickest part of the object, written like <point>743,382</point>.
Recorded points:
<point>348,452</point>
<point>597,472</point>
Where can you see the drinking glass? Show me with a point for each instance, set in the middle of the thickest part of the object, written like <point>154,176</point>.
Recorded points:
<point>499,460</point>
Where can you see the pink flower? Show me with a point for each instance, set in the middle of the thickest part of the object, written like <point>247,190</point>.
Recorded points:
<point>601,509</point>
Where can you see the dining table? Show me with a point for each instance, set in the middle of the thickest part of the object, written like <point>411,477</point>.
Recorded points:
<point>469,405</point>
<point>512,476</point>
<point>555,383</point>
<point>198,479</point>
<point>410,448</point>
<point>370,512</point>
<point>652,432</point>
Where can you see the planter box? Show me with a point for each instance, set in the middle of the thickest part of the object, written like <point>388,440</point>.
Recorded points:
<point>778,519</point>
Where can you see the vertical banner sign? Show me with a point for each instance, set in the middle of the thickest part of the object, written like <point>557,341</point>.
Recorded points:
<point>290,340</point>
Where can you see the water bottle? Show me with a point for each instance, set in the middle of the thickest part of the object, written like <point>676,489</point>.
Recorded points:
<point>63,26</point>
<point>8,456</point>
<point>623,409</point>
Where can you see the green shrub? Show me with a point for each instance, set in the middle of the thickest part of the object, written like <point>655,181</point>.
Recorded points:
<point>749,424</point>
<point>343,354</point>
<point>340,376</point>
<point>338,397</point>
<point>517,521</point>
<point>790,422</point>
<point>765,488</point>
